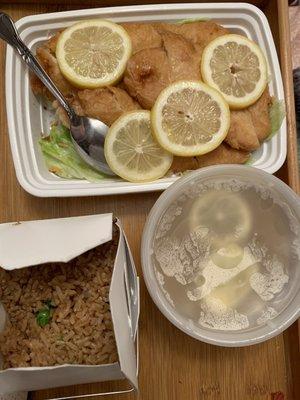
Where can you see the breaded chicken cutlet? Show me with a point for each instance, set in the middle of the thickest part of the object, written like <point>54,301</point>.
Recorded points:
<point>162,53</point>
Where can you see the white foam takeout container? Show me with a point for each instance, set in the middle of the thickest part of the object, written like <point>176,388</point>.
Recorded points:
<point>60,240</point>
<point>27,118</point>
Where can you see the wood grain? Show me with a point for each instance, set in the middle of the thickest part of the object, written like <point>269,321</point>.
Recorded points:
<point>287,66</point>
<point>107,3</point>
<point>173,366</point>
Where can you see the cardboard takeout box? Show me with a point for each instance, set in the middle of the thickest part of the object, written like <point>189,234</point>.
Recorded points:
<point>60,240</point>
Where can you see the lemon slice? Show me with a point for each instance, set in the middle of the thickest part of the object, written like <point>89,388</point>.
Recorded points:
<point>93,53</point>
<point>229,256</point>
<point>189,118</point>
<point>237,290</point>
<point>131,151</point>
<point>236,67</point>
<point>226,215</point>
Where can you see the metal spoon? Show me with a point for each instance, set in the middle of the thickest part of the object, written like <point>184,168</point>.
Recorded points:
<point>87,134</point>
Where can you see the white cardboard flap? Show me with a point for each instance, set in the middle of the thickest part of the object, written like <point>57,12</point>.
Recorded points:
<point>23,244</point>
<point>120,316</point>
<point>133,288</point>
<point>18,379</point>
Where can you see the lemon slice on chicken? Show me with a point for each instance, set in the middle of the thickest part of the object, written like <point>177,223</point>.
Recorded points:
<point>93,53</point>
<point>132,152</point>
<point>189,118</point>
<point>236,67</point>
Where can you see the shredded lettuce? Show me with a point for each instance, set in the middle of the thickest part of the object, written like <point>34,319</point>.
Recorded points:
<point>62,159</point>
<point>277,114</point>
<point>190,20</point>
<point>249,161</point>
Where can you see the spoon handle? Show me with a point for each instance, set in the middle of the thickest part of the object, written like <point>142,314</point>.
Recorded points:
<point>9,33</point>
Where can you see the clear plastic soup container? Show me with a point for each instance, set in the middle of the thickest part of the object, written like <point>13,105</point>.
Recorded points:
<point>218,292</point>
<point>27,117</point>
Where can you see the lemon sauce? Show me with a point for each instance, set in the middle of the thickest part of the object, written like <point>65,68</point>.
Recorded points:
<point>224,255</point>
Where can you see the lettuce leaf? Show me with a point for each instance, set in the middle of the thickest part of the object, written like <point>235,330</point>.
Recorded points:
<point>190,20</point>
<point>62,159</point>
<point>277,114</point>
<point>249,161</point>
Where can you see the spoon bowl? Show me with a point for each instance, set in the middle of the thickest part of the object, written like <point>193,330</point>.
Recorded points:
<point>88,135</point>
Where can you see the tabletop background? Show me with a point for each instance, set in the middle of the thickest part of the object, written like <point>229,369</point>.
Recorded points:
<point>173,366</point>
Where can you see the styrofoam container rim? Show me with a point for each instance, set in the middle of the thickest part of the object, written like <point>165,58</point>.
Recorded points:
<point>26,117</point>
<point>220,338</point>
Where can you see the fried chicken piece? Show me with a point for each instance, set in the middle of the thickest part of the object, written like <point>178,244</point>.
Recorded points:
<point>52,42</point>
<point>183,60</point>
<point>250,126</point>
<point>241,134</point>
<point>50,46</point>
<point>143,36</point>
<point>181,164</point>
<point>50,65</point>
<point>37,86</point>
<point>223,154</point>
<point>260,115</point>
<point>199,33</point>
<point>61,113</point>
<point>149,71</point>
<point>147,74</point>
<point>106,104</point>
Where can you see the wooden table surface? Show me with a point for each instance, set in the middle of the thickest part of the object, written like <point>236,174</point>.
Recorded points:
<point>173,366</point>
